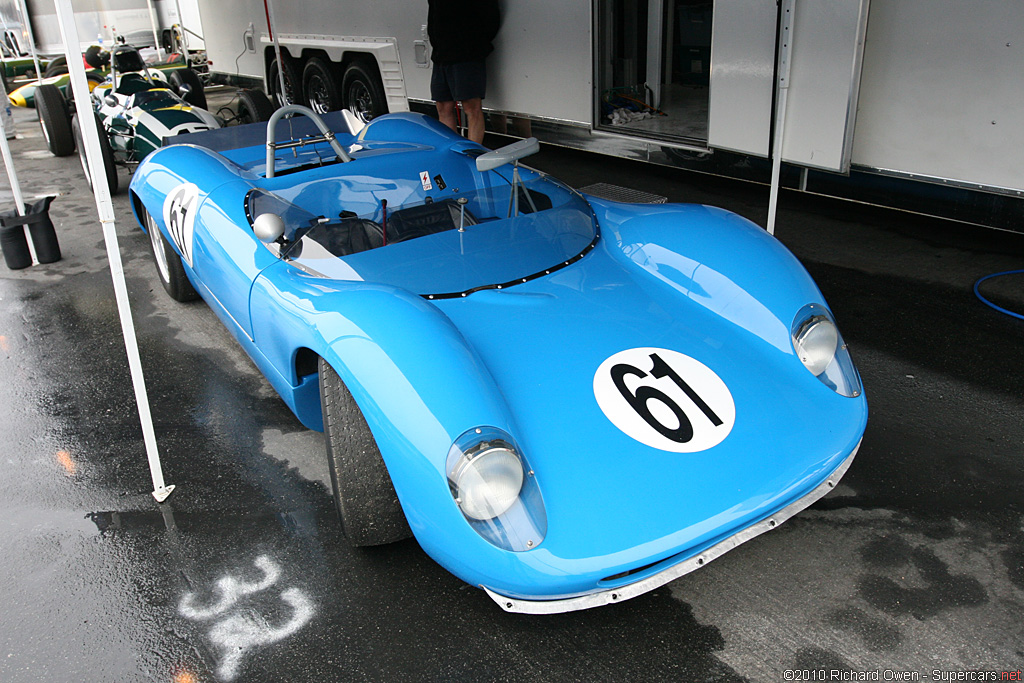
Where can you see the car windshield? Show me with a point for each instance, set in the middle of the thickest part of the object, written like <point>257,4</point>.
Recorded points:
<point>444,245</point>
<point>155,95</point>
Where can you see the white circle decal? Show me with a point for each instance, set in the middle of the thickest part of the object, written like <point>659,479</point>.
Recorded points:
<point>665,400</point>
<point>180,217</point>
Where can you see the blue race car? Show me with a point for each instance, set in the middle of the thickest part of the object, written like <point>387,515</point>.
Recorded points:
<point>567,401</point>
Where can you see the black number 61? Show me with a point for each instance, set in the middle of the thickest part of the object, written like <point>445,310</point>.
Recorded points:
<point>639,399</point>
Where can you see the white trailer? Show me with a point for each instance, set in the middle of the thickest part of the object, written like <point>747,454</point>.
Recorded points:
<point>141,22</point>
<point>917,104</point>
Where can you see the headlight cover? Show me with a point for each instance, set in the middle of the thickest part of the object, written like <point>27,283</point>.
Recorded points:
<point>820,347</point>
<point>496,490</point>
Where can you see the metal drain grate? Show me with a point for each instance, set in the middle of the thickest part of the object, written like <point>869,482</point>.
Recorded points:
<point>616,193</point>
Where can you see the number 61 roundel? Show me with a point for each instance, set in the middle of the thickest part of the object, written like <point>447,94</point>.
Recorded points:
<point>665,400</point>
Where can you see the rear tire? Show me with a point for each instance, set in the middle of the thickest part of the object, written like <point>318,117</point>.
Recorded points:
<point>319,86</point>
<point>109,165</point>
<point>56,67</point>
<point>253,107</point>
<point>168,264</point>
<point>363,91</point>
<point>54,120</point>
<point>197,96</point>
<point>363,493</point>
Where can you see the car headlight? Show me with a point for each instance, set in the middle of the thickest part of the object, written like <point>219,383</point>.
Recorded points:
<point>496,490</point>
<point>815,342</point>
<point>820,347</point>
<point>487,482</point>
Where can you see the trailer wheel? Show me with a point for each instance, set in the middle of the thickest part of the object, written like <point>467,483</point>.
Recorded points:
<point>292,83</point>
<point>363,91</point>
<point>109,166</point>
<point>253,106</point>
<point>363,493</point>
<point>197,93</point>
<point>54,120</point>
<point>319,87</point>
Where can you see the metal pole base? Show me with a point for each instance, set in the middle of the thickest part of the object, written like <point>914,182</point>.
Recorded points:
<point>161,494</point>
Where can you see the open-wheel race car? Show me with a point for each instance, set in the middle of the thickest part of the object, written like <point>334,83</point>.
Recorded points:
<point>136,109</point>
<point>567,401</point>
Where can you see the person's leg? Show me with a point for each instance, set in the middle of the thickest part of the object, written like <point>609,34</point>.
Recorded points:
<point>446,114</point>
<point>473,109</point>
<point>468,84</point>
<point>442,95</point>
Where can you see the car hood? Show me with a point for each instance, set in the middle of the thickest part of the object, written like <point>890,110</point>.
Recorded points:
<point>552,346</point>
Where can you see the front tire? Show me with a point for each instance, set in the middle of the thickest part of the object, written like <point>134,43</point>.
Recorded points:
<point>55,120</point>
<point>168,264</point>
<point>197,95</point>
<point>363,493</point>
<point>109,166</point>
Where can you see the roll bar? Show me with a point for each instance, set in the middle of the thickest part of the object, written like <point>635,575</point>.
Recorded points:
<point>327,135</point>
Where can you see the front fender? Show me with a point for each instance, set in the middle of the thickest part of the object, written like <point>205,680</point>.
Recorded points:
<point>416,379</point>
<point>168,167</point>
<point>715,258</point>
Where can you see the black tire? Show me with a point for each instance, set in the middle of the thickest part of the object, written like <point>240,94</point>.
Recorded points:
<point>168,264</point>
<point>197,96</point>
<point>55,120</point>
<point>320,86</point>
<point>253,106</point>
<point>363,91</point>
<point>292,83</point>
<point>363,493</point>
<point>56,67</point>
<point>109,166</point>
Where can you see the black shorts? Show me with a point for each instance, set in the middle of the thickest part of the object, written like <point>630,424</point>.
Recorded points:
<point>458,82</point>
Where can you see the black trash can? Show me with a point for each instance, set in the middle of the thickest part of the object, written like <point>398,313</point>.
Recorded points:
<point>40,228</point>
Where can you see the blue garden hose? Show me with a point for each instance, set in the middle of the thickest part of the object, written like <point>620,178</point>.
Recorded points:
<point>989,303</point>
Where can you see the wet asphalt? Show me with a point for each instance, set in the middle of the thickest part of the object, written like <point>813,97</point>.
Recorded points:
<point>915,564</point>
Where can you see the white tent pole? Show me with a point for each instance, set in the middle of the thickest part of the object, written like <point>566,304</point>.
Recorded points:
<point>181,25</point>
<point>782,90</point>
<point>105,208</point>
<point>12,174</point>
<point>31,39</point>
<point>152,22</point>
<point>272,27</point>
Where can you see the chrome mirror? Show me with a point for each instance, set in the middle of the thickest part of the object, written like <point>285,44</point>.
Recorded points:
<point>268,227</point>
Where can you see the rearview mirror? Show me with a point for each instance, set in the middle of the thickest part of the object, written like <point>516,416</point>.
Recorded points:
<point>184,89</point>
<point>110,101</point>
<point>268,227</point>
<point>507,154</point>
